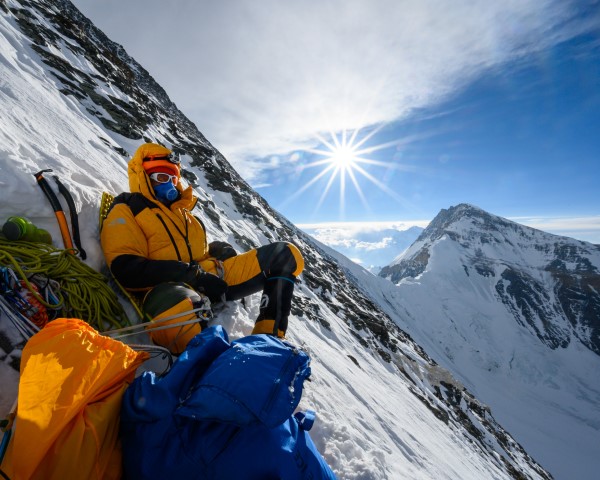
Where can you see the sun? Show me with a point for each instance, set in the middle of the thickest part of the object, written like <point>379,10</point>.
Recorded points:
<point>343,158</point>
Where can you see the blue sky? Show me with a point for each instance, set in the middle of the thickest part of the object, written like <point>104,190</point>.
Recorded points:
<point>467,101</point>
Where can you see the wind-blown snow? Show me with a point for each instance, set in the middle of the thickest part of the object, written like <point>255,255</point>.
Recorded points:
<point>370,424</point>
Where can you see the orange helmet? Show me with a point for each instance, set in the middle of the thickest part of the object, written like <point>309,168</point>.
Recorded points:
<point>162,162</point>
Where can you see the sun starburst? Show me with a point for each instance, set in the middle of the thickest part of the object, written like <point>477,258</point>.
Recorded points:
<point>343,157</point>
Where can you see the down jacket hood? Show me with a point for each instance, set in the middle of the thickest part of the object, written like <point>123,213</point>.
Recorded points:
<point>139,181</point>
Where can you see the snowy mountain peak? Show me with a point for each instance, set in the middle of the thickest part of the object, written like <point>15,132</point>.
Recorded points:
<point>547,282</point>
<point>514,312</point>
<point>453,214</point>
<point>458,220</point>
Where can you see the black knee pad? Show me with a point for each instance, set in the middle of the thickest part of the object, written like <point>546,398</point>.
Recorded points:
<point>276,259</point>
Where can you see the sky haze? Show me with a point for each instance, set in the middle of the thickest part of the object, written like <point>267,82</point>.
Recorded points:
<point>386,111</point>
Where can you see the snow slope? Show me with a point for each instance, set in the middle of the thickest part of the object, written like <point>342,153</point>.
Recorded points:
<point>75,102</point>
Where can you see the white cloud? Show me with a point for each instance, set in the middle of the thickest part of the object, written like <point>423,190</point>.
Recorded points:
<point>351,228</point>
<point>358,236</point>
<point>260,78</point>
<point>367,243</point>
<point>581,228</point>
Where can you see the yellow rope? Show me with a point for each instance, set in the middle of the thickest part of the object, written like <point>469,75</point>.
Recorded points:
<point>84,292</point>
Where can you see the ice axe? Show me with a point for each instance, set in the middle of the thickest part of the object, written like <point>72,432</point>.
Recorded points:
<point>58,211</point>
<point>74,219</point>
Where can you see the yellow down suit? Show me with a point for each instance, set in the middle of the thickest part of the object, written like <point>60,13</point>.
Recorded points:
<point>147,242</point>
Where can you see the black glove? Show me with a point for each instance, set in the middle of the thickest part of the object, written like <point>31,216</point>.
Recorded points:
<point>221,250</point>
<point>206,283</point>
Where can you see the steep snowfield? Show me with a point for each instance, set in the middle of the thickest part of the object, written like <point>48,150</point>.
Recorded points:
<point>377,419</point>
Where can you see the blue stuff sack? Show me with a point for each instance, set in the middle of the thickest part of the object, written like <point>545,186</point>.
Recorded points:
<point>259,379</point>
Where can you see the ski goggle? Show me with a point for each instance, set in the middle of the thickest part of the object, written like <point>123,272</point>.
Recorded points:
<point>171,157</point>
<point>161,177</point>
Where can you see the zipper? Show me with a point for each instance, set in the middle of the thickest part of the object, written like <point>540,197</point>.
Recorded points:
<point>187,226</point>
<point>282,372</point>
<point>170,236</point>
<point>184,236</point>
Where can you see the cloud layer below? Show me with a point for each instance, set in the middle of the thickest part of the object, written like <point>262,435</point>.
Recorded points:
<point>581,228</point>
<point>378,243</point>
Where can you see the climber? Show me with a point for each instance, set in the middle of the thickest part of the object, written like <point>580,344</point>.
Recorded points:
<point>150,237</point>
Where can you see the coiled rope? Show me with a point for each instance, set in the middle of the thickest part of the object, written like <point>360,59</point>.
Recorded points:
<point>84,293</point>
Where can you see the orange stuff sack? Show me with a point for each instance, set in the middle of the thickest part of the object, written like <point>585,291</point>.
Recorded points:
<point>70,390</point>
